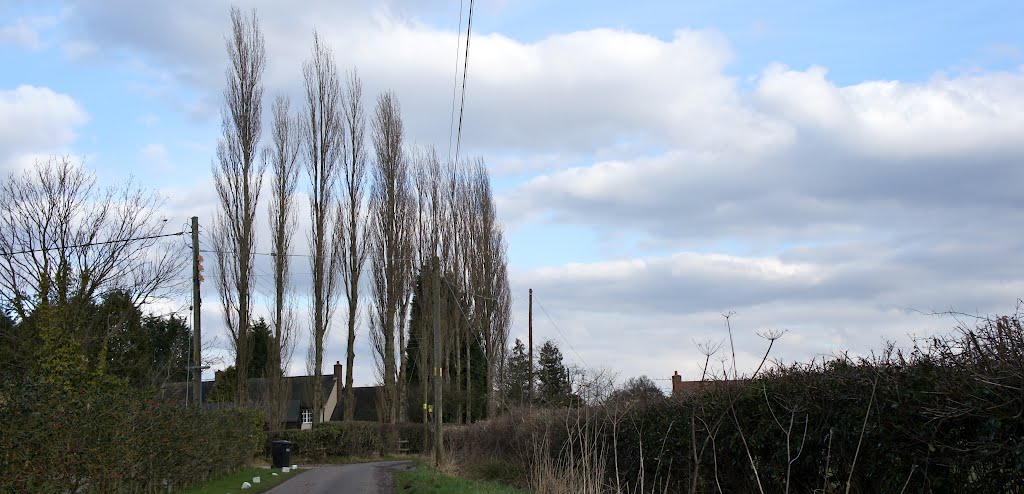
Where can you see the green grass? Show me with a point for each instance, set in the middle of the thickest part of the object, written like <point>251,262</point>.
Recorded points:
<point>425,480</point>
<point>233,483</point>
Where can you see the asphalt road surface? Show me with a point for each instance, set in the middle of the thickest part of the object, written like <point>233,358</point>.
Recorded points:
<point>357,478</point>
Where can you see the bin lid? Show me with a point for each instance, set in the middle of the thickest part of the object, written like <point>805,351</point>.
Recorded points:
<point>281,441</point>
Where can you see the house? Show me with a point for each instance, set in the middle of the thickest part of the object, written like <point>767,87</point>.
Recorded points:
<point>684,388</point>
<point>299,412</point>
<point>681,388</point>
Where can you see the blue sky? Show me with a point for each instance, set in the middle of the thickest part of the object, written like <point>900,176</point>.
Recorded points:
<point>815,166</point>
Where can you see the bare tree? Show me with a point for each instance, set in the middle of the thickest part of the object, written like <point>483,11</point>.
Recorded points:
<point>454,239</point>
<point>323,131</point>
<point>283,155</point>
<point>64,241</point>
<point>391,243</point>
<point>238,176</point>
<point>487,277</point>
<point>428,182</point>
<point>351,230</point>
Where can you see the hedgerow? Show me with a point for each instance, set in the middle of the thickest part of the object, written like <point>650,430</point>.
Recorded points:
<point>356,438</point>
<point>104,437</point>
<point>945,416</point>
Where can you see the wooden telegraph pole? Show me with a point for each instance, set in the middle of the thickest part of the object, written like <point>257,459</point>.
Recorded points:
<point>438,372</point>
<point>197,362</point>
<point>530,326</point>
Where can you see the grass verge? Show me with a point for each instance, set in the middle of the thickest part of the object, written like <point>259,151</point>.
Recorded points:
<point>232,483</point>
<point>426,480</point>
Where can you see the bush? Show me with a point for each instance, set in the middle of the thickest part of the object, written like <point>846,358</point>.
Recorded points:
<point>104,437</point>
<point>943,417</point>
<point>356,438</point>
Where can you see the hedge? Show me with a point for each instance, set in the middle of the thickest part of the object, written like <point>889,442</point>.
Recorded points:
<point>944,417</point>
<point>106,438</point>
<point>356,438</point>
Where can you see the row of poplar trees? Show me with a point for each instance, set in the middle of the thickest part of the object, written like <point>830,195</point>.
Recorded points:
<point>375,203</point>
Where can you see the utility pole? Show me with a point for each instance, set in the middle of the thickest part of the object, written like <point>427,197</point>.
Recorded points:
<point>530,326</point>
<point>438,373</point>
<point>197,361</point>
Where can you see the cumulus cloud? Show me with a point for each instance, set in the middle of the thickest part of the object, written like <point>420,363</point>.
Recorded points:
<point>874,155</point>
<point>884,199</point>
<point>800,203</point>
<point>646,316</point>
<point>594,91</point>
<point>35,121</point>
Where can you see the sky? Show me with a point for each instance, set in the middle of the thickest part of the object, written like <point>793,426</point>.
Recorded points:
<point>838,170</point>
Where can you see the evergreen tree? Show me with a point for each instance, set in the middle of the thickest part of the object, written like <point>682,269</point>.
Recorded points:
<point>259,345</point>
<point>517,378</point>
<point>420,332</point>
<point>552,375</point>
<point>421,328</point>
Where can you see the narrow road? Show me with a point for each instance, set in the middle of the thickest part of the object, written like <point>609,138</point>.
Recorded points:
<point>357,478</point>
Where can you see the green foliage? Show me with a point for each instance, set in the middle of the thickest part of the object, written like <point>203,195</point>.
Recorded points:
<point>517,375</point>
<point>453,310</point>
<point>104,437</point>
<point>17,346</point>
<point>424,480</point>
<point>149,350</point>
<point>354,438</point>
<point>223,390</point>
<point>552,376</point>
<point>259,347</point>
<point>110,336</point>
<point>231,481</point>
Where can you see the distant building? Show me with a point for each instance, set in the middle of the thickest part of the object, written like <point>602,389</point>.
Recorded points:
<point>683,388</point>
<point>299,411</point>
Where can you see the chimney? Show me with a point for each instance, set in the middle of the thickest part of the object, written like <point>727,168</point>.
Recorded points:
<point>677,383</point>
<point>338,371</point>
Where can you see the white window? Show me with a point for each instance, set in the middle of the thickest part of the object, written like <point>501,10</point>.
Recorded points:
<point>307,416</point>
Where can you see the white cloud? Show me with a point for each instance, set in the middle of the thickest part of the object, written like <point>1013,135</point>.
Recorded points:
<point>882,157</point>
<point>35,121</point>
<point>802,204</point>
<point>581,92</point>
<point>645,316</point>
<point>25,32</point>
<point>155,158</point>
<point>892,118</point>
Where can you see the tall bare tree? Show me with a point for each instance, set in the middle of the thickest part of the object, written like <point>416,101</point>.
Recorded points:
<point>454,237</point>
<point>488,278</point>
<point>430,203</point>
<point>65,241</point>
<point>238,176</point>
<point>283,155</point>
<point>391,246</point>
<point>323,130</point>
<point>351,230</point>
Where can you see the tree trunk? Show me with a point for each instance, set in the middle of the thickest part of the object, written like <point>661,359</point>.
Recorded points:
<point>350,358</point>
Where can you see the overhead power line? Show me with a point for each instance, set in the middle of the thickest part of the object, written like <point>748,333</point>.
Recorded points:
<point>455,83</point>
<point>465,66</point>
<point>90,244</point>
<point>563,335</point>
<point>271,254</point>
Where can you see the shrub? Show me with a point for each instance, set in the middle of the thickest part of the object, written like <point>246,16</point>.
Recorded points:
<point>103,437</point>
<point>356,438</point>
<point>942,417</point>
